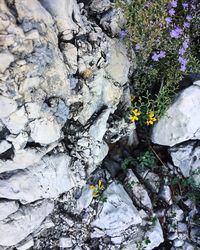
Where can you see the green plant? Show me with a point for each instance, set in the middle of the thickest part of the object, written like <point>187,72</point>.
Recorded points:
<point>165,38</point>
<point>147,160</point>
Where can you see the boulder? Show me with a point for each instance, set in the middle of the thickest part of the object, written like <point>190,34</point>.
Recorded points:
<point>9,106</point>
<point>181,121</point>
<point>116,214</point>
<point>25,221</point>
<point>47,179</point>
<point>5,60</point>
<point>7,208</point>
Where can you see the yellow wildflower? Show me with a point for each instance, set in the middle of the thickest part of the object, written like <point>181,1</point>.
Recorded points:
<point>94,194</point>
<point>151,119</point>
<point>136,114</point>
<point>100,184</point>
<point>92,187</point>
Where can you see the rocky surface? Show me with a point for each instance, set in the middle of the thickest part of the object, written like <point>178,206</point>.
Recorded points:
<point>64,90</point>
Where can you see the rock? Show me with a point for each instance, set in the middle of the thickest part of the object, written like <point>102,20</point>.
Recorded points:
<point>4,146</point>
<point>70,55</point>
<point>165,194</point>
<point>186,157</point>
<point>33,110</point>
<point>117,213</point>
<point>16,121</point>
<point>25,221</point>
<point>100,6</point>
<point>19,141</point>
<point>7,208</point>
<point>98,128</point>
<point>26,245</point>
<point>181,121</point>
<point>178,243</point>
<point>85,199</point>
<point>45,130</point>
<point>46,179</point>
<point>9,106</point>
<point>175,213</point>
<point>65,243</point>
<point>5,60</point>
<point>118,67</point>
<point>62,12</point>
<point>137,191</point>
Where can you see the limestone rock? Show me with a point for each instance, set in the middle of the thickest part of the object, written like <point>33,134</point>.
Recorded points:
<point>181,121</point>
<point>186,157</point>
<point>25,221</point>
<point>46,179</point>
<point>4,146</point>
<point>117,213</point>
<point>70,56</point>
<point>16,121</point>
<point>5,60</point>
<point>9,106</point>
<point>100,6</point>
<point>118,67</point>
<point>7,208</point>
<point>45,131</point>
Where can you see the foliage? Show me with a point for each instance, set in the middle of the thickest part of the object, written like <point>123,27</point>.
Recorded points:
<point>165,37</point>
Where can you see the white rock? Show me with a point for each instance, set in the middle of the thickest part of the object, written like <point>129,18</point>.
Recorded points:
<point>26,245</point>
<point>85,198</point>
<point>138,191</point>
<point>118,67</point>
<point>181,121</point>
<point>65,242</point>
<point>186,157</point>
<point>16,121</point>
<point>178,243</point>
<point>98,128</point>
<point>25,221</point>
<point>100,6</point>
<point>46,179</point>
<point>7,105</point>
<point>45,131</point>
<point>7,208</point>
<point>19,141</point>
<point>5,61</point>
<point>165,194</point>
<point>117,213</point>
<point>70,56</point>
<point>4,146</point>
<point>22,159</point>
<point>33,110</point>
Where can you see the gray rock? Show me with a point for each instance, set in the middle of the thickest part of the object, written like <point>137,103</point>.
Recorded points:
<point>16,121</point>
<point>45,130</point>
<point>117,213</point>
<point>98,128</point>
<point>26,245</point>
<point>181,121</point>
<point>4,146</point>
<point>118,67</point>
<point>25,221</point>
<point>70,55</point>
<point>65,243</point>
<point>186,157</point>
<point>9,106</point>
<point>100,6</point>
<point>85,198</point>
<point>7,208</point>
<point>137,191</point>
<point>5,60</point>
<point>178,243</point>
<point>46,179</point>
<point>165,194</point>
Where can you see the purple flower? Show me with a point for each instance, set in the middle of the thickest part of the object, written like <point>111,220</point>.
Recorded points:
<point>174,3</point>
<point>171,12</point>
<point>189,18</point>
<point>186,44</point>
<point>137,46</point>
<point>193,6</point>
<point>183,68</point>
<point>182,51</point>
<point>168,20</point>
<point>162,54</point>
<point>176,32</point>
<point>185,5</point>
<point>182,60</point>
<point>186,25</point>
<point>155,57</point>
<point>122,34</point>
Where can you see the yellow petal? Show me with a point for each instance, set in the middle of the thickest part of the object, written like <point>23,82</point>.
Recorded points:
<point>92,187</point>
<point>94,194</point>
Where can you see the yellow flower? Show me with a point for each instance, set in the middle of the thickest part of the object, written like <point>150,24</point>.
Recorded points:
<point>136,112</point>
<point>94,194</point>
<point>151,119</point>
<point>92,187</point>
<point>100,184</point>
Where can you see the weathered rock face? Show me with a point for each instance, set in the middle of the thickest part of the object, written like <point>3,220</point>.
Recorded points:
<point>62,78</point>
<point>117,214</point>
<point>30,217</point>
<point>181,121</point>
